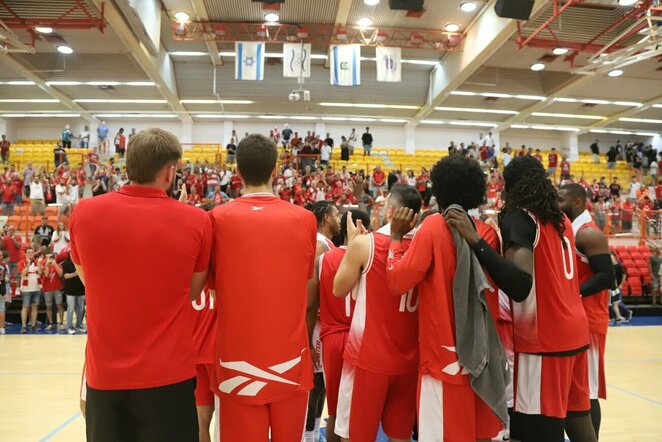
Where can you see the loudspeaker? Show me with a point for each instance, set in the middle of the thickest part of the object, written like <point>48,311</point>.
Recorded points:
<point>406,5</point>
<point>517,9</point>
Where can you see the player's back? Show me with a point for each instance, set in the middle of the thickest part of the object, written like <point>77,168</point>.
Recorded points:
<point>335,313</point>
<point>551,319</point>
<point>263,256</point>
<point>597,305</point>
<point>383,337</point>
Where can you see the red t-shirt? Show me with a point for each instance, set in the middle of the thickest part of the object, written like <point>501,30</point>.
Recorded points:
<point>383,337</point>
<point>139,312</point>
<point>335,313</point>
<point>597,305</point>
<point>52,282</point>
<point>422,181</point>
<point>10,247</point>
<point>262,340</point>
<point>553,160</point>
<point>8,193</point>
<point>204,328</point>
<point>565,167</point>
<point>378,177</point>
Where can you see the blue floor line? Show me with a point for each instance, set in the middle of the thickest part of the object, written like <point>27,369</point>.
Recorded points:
<point>61,427</point>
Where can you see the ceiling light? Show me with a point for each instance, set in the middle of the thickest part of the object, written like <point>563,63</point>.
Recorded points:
<point>152,115</point>
<point>658,106</point>
<point>495,95</point>
<point>531,97</point>
<point>271,117</point>
<point>43,29</point>
<point>212,101</point>
<point>38,115</point>
<point>627,2</point>
<point>63,49</point>
<point>20,83</point>
<point>471,123</point>
<point>469,94</point>
<point>420,62</point>
<point>452,27</point>
<point>475,110</point>
<point>566,100</point>
<point>371,2</point>
<point>432,122</point>
<point>334,118</point>
<point>620,132</point>
<point>560,51</point>
<point>63,83</point>
<point>182,16</point>
<point>364,22</point>
<point>216,116</point>
<point>615,73</point>
<point>556,115</point>
<point>646,134</point>
<point>189,53</point>
<point>371,105</point>
<point>468,6</point>
<point>641,120</point>
<point>271,17</point>
<point>598,131</point>
<point>29,100</point>
<point>365,120</point>
<point>103,83</point>
<point>140,83</point>
<point>392,120</point>
<point>537,67</point>
<point>519,126</point>
<point>118,101</point>
<point>303,117</point>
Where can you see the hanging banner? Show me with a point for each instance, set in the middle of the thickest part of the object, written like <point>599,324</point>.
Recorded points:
<point>249,61</point>
<point>345,65</point>
<point>388,64</point>
<point>296,60</point>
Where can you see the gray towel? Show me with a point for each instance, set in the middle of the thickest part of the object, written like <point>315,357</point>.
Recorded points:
<point>477,343</point>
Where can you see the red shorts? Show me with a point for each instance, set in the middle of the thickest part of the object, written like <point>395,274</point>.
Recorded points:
<point>205,376</point>
<point>333,346</point>
<point>451,412</point>
<point>251,423</point>
<point>596,366</point>
<point>365,399</point>
<point>551,385</point>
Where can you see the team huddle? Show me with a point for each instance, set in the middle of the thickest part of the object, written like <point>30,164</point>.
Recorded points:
<point>436,324</point>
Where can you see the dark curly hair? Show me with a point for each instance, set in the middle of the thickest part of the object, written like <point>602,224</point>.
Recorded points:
<point>458,180</point>
<point>319,209</point>
<point>527,187</point>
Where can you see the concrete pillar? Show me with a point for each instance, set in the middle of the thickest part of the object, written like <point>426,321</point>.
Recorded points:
<point>570,145</point>
<point>410,138</point>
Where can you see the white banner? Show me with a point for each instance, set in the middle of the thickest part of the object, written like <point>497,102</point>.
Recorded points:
<point>345,65</point>
<point>388,64</point>
<point>296,60</point>
<point>249,61</point>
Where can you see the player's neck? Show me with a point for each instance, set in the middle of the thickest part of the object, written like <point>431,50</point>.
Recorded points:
<point>326,232</point>
<point>264,188</point>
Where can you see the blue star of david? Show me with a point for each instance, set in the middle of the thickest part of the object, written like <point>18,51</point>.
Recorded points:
<point>249,61</point>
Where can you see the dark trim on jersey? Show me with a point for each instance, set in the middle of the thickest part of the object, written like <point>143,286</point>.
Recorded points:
<point>512,280</point>
<point>563,354</point>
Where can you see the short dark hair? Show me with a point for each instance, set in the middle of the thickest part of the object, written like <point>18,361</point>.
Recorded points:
<point>458,180</point>
<point>406,196</point>
<point>356,215</point>
<point>576,191</point>
<point>148,152</point>
<point>256,159</point>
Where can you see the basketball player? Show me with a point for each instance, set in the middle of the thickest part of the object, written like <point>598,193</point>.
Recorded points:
<point>139,368</point>
<point>596,278</point>
<point>335,317</point>
<point>431,264</point>
<point>262,258</point>
<point>549,324</point>
<point>378,382</point>
<point>328,225</point>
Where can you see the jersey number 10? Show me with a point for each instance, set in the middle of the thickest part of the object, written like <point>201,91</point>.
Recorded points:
<point>408,302</point>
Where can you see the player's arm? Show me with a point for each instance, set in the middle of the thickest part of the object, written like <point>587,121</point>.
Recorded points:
<point>313,302</point>
<point>201,271</point>
<point>405,270</point>
<point>593,244</point>
<point>351,266</point>
<point>320,249</point>
<point>513,272</point>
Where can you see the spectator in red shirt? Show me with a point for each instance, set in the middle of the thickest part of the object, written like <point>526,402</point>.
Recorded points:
<point>565,169</point>
<point>378,181</point>
<point>153,373</point>
<point>627,214</point>
<point>422,183</point>
<point>12,245</point>
<point>120,143</point>
<point>4,149</point>
<point>52,288</point>
<point>8,198</point>
<point>553,162</point>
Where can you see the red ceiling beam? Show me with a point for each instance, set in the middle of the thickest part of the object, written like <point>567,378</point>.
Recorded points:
<point>522,41</point>
<point>60,22</point>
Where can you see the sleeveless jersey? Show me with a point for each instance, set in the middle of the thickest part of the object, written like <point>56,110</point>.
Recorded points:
<point>551,319</point>
<point>383,336</point>
<point>597,305</point>
<point>328,244</point>
<point>204,328</point>
<point>335,313</point>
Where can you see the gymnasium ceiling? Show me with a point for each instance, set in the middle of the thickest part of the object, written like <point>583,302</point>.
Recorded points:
<point>119,67</point>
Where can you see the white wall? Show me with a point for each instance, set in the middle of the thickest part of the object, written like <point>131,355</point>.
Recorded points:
<point>385,135</point>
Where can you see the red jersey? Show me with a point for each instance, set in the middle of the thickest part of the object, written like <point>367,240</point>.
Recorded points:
<point>204,328</point>
<point>551,319</point>
<point>597,305</point>
<point>52,282</point>
<point>422,183</point>
<point>12,249</point>
<point>328,244</point>
<point>378,177</point>
<point>565,168</point>
<point>269,359</point>
<point>553,160</point>
<point>383,337</point>
<point>335,313</point>
<point>8,193</point>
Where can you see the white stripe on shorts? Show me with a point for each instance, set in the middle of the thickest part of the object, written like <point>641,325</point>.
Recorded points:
<point>529,379</point>
<point>594,366</point>
<point>83,387</point>
<point>431,410</point>
<point>344,408</point>
<point>217,419</point>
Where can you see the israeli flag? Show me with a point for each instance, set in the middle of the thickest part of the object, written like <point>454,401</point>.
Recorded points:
<point>249,61</point>
<point>345,65</point>
<point>388,64</point>
<point>296,60</point>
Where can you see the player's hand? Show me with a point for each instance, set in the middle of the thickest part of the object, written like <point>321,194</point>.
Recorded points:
<point>354,230</point>
<point>461,222</point>
<point>183,197</point>
<point>403,221</point>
